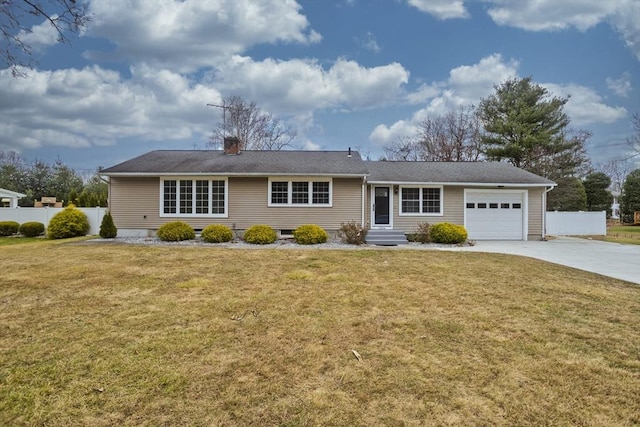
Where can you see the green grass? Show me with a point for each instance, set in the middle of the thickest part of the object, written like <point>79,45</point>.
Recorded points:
<point>625,234</point>
<point>102,334</point>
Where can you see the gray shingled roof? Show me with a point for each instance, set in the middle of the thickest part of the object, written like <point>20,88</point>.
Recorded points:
<point>334,163</point>
<point>451,172</point>
<point>331,163</point>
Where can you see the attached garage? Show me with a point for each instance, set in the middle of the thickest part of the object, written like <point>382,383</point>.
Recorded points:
<point>496,215</point>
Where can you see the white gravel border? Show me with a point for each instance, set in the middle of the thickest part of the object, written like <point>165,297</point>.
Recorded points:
<point>278,244</point>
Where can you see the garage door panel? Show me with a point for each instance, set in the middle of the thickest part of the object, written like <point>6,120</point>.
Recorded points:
<point>494,215</point>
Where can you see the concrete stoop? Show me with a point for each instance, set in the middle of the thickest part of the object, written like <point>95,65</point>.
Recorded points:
<point>386,237</point>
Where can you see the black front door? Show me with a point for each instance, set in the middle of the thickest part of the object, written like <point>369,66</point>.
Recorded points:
<point>381,206</point>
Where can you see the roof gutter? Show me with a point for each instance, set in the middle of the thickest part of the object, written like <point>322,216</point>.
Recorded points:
<point>468,184</point>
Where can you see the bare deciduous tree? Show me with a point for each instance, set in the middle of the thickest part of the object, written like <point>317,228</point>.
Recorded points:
<point>452,137</point>
<point>634,139</point>
<point>256,129</point>
<point>65,16</point>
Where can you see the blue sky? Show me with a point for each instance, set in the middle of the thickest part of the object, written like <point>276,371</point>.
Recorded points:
<point>343,73</point>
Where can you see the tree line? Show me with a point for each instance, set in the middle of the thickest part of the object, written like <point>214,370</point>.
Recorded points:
<point>58,180</point>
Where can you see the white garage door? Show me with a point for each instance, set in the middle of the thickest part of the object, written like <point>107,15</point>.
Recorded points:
<point>494,215</point>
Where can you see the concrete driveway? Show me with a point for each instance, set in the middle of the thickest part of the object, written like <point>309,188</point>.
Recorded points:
<point>609,259</point>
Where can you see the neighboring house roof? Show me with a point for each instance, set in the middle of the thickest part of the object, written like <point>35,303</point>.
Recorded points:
<point>323,163</point>
<point>9,193</point>
<point>452,173</point>
<point>200,162</point>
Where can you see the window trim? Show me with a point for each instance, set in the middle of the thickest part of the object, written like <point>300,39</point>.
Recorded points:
<point>194,198</point>
<point>290,181</point>
<point>421,201</point>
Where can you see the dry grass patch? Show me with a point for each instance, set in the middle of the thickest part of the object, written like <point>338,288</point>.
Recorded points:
<point>96,334</point>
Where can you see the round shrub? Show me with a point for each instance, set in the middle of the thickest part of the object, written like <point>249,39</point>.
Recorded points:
<point>175,231</point>
<point>216,233</point>
<point>310,234</point>
<point>70,222</point>
<point>260,235</point>
<point>8,228</point>
<point>32,229</point>
<point>108,229</point>
<point>445,232</point>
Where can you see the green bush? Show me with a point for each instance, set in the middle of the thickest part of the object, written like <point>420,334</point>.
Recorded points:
<point>8,228</point>
<point>260,235</point>
<point>175,231</point>
<point>32,229</point>
<point>108,229</point>
<point>310,234</point>
<point>447,233</point>
<point>70,222</point>
<point>421,233</point>
<point>216,233</point>
<point>353,233</point>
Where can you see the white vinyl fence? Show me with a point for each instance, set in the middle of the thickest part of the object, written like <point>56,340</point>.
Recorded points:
<point>576,223</point>
<point>44,215</point>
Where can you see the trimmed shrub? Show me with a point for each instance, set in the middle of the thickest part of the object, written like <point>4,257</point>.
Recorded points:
<point>260,235</point>
<point>108,229</point>
<point>216,233</point>
<point>445,232</point>
<point>8,228</point>
<point>421,234</point>
<point>353,233</point>
<point>70,222</point>
<point>32,229</point>
<point>175,231</point>
<point>310,234</point>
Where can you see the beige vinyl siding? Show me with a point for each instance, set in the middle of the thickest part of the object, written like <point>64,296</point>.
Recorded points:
<point>453,211</point>
<point>535,214</point>
<point>132,198</point>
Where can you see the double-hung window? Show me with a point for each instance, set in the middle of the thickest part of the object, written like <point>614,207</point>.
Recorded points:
<point>300,192</point>
<point>420,200</point>
<point>193,197</point>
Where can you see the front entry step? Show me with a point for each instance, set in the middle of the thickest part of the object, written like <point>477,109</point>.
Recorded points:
<point>386,237</point>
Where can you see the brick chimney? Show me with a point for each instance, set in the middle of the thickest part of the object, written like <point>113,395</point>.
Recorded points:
<point>231,145</point>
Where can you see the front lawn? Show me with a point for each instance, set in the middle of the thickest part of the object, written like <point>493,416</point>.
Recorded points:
<point>626,234</point>
<point>102,334</point>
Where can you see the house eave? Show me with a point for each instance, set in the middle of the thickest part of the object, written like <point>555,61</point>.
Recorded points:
<point>226,174</point>
<point>465,184</point>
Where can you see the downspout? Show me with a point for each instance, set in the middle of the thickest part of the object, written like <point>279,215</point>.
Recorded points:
<point>363,196</point>
<point>544,211</point>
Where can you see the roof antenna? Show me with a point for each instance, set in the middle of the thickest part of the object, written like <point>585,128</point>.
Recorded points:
<point>349,154</point>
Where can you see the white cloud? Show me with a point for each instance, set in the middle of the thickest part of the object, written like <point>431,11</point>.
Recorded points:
<point>298,86</point>
<point>553,15</point>
<point>186,35</point>
<point>370,43</point>
<point>621,86</point>
<point>466,85</point>
<point>585,106</point>
<point>41,35</point>
<point>94,106</point>
<point>441,9</point>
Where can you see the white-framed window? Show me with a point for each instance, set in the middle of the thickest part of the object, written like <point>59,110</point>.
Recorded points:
<point>193,197</point>
<point>300,192</point>
<point>421,200</point>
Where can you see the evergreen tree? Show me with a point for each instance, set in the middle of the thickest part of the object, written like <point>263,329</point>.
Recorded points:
<point>599,198</point>
<point>630,199</point>
<point>108,229</point>
<point>568,196</point>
